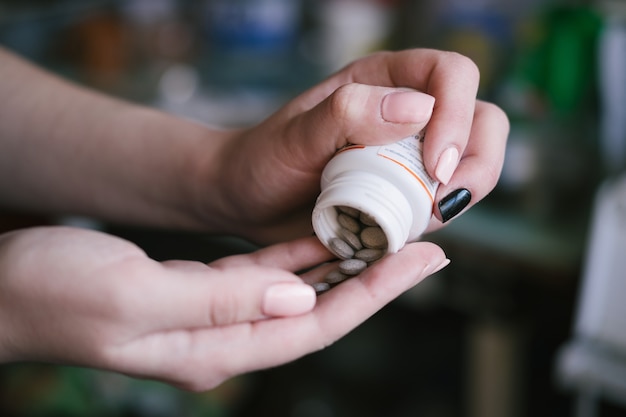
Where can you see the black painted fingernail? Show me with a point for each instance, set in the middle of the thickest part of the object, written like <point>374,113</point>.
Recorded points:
<point>454,203</point>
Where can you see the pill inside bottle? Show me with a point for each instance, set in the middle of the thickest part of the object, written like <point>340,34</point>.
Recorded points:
<point>381,194</point>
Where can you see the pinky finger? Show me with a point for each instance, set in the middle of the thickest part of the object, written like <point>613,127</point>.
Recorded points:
<point>480,166</point>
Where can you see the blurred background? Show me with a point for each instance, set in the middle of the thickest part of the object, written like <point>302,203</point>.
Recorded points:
<point>482,338</point>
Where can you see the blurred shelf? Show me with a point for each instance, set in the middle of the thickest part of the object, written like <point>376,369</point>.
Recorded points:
<point>510,234</point>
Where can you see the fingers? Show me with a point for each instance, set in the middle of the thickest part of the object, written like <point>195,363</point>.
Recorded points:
<point>214,298</point>
<point>454,82</point>
<point>451,78</point>
<point>465,138</point>
<point>200,358</point>
<point>293,256</point>
<point>337,311</point>
<point>362,114</point>
<point>480,166</point>
<point>231,290</point>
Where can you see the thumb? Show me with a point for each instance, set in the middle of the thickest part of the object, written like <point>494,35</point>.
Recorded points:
<point>367,115</point>
<point>201,296</point>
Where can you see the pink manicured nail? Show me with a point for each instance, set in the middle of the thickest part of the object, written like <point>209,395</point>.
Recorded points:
<point>430,270</point>
<point>288,299</point>
<point>442,265</point>
<point>448,162</point>
<point>407,107</point>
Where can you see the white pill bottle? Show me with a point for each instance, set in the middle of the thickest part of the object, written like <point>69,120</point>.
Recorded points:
<point>388,182</point>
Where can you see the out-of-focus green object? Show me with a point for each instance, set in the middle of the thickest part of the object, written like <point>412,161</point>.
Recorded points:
<point>39,390</point>
<point>560,58</point>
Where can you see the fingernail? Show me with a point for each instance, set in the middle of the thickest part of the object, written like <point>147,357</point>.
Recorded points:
<point>454,203</point>
<point>446,165</point>
<point>407,107</point>
<point>442,265</point>
<point>288,299</point>
<point>430,270</point>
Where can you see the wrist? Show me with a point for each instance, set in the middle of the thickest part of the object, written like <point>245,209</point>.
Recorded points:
<point>209,182</point>
<point>169,167</point>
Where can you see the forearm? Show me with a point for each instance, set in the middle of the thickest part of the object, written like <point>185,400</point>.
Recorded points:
<point>65,149</point>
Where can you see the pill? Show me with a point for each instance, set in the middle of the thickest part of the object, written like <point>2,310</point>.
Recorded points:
<point>335,277</point>
<point>320,287</point>
<point>341,248</point>
<point>348,222</point>
<point>350,211</point>
<point>367,220</point>
<point>351,239</point>
<point>369,255</point>
<point>360,241</point>
<point>373,237</point>
<point>352,266</point>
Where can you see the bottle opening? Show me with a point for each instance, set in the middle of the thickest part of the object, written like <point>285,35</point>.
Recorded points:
<point>382,205</point>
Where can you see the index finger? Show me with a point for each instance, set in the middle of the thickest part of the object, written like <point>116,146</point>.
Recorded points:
<point>451,78</point>
<point>340,310</point>
<point>292,256</point>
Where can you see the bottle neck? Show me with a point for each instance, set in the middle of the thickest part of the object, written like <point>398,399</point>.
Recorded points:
<point>370,194</point>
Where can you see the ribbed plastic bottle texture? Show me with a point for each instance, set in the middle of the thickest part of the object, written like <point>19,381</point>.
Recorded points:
<point>387,182</point>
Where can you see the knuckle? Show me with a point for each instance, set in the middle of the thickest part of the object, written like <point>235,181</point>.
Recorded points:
<point>223,311</point>
<point>118,302</point>
<point>462,63</point>
<point>344,103</point>
<point>496,115</point>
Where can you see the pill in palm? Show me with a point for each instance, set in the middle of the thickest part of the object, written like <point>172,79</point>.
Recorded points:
<point>369,254</point>
<point>335,277</point>
<point>352,266</point>
<point>320,287</point>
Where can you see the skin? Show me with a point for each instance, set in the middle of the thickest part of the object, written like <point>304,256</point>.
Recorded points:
<point>82,297</point>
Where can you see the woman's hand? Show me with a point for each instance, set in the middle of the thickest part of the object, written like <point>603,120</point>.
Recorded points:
<point>269,175</point>
<point>89,154</point>
<point>81,297</point>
